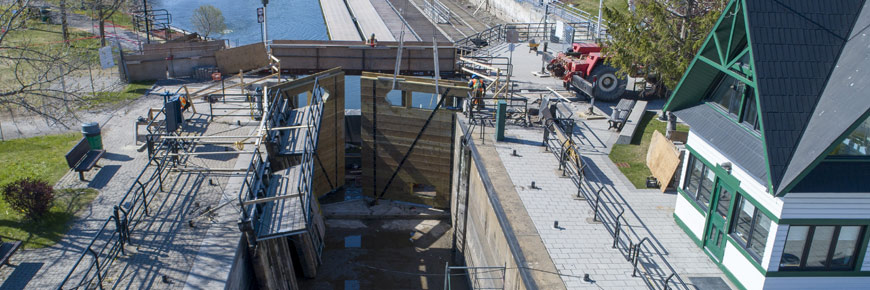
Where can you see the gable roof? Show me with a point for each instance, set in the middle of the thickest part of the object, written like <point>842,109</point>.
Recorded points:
<point>843,102</point>
<point>795,46</point>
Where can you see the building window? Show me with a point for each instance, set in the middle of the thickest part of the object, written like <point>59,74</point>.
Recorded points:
<point>816,248</point>
<point>699,182</point>
<point>728,94</point>
<point>856,143</point>
<point>750,111</point>
<point>723,203</point>
<point>750,228</point>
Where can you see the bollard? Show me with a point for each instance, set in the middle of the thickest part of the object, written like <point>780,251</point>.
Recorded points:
<point>500,116</point>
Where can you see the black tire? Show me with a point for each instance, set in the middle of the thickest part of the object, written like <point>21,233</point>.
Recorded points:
<point>609,86</point>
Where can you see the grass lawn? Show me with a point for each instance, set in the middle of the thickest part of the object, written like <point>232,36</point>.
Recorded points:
<point>634,154</point>
<point>591,6</point>
<point>43,158</point>
<point>131,92</point>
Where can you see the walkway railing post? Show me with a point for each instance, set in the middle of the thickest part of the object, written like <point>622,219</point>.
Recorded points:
<point>668,281</point>
<point>119,229</point>
<point>597,199</point>
<point>97,263</point>
<point>618,228</point>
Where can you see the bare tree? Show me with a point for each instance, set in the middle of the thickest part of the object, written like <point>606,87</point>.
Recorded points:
<point>34,74</point>
<point>103,10</point>
<point>208,20</point>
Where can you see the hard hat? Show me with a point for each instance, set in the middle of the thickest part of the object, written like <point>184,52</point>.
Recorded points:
<point>474,76</point>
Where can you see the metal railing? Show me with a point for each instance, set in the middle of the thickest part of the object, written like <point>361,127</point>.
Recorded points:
<point>478,44</point>
<point>437,11</point>
<point>559,139</point>
<point>479,278</point>
<point>257,177</point>
<point>105,246</point>
<point>484,109</point>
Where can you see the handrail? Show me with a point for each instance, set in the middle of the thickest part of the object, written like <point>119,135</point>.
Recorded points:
<point>131,213</point>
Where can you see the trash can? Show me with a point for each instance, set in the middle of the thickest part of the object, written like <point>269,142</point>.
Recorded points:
<point>91,132</point>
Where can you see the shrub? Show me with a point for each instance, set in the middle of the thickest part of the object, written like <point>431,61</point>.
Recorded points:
<point>30,196</point>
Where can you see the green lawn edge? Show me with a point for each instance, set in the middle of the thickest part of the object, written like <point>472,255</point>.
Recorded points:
<point>634,153</point>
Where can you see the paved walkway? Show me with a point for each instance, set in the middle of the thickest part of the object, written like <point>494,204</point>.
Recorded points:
<point>580,246</point>
<point>164,245</point>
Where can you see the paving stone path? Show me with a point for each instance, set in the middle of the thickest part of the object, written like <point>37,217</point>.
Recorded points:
<point>582,246</point>
<point>163,243</point>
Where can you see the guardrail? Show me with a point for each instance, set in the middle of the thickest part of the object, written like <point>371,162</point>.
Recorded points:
<point>105,246</point>
<point>437,11</point>
<point>477,44</point>
<point>256,180</point>
<point>476,109</point>
<point>559,139</point>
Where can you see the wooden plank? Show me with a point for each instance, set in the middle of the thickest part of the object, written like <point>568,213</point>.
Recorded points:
<point>662,158</point>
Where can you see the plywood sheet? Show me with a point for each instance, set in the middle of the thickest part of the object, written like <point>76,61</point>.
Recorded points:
<point>662,158</point>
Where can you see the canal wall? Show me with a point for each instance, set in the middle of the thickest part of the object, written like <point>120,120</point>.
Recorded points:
<point>491,226</point>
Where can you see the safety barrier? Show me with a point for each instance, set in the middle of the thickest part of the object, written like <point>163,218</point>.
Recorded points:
<point>559,139</point>
<point>109,242</point>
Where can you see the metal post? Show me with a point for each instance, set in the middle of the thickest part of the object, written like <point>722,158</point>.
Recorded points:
<point>618,228</point>
<point>119,229</point>
<point>265,31</point>
<point>598,26</point>
<point>147,23</point>
<point>97,263</point>
<point>159,175</point>
<point>668,281</point>
<point>597,198</point>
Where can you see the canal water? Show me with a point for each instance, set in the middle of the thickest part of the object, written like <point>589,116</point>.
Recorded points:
<point>290,20</point>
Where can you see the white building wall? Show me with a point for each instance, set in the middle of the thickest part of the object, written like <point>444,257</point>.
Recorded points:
<point>770,246</point>
<point>742,268</point>
<point>690,216</point>
<point>776,246</point>
<point>748,184</point>
<point>828,205</point>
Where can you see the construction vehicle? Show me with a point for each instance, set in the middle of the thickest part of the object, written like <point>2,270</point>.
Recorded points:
<point>582,69</point>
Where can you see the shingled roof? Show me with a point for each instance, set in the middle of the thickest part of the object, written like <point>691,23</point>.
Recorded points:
<point>843,102</point>
<point>795,45</point>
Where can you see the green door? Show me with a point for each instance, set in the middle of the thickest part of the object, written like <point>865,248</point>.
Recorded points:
<point>716,231</point>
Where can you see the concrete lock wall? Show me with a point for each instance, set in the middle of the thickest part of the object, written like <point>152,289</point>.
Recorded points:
<point>491,226</point>
<point>482,242</point>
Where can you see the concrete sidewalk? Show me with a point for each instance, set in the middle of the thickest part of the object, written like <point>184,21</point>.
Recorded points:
<point>582,246</point>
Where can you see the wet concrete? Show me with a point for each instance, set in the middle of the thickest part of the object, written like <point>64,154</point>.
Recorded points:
<point>385,254</point>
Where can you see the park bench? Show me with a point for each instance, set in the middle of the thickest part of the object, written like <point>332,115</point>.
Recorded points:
<point>620,114</point>
<point>7,249</point>
<point>82,158</point>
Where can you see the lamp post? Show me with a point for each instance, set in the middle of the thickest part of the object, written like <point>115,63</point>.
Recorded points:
<point>598,26</point>
<point>265,34</point>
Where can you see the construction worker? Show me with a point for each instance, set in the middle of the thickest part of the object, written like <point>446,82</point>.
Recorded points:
<point>478,89</point>
<point>372,41</point>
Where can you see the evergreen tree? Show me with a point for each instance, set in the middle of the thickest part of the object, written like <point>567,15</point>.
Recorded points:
<point>659,36</point>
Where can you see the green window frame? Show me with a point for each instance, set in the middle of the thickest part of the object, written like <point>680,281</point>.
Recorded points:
<point>750,227</point>
<point>735,99</point>
<point>822,247</point>
<point>699,182</point>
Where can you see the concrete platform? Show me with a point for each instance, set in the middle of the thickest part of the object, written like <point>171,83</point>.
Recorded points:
<point>369,20</point>
<point>339,22</point>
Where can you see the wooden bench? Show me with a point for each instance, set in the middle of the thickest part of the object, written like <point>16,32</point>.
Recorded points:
<point>620,114</point>
<point>7,249</point>
<point>82,158</point>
